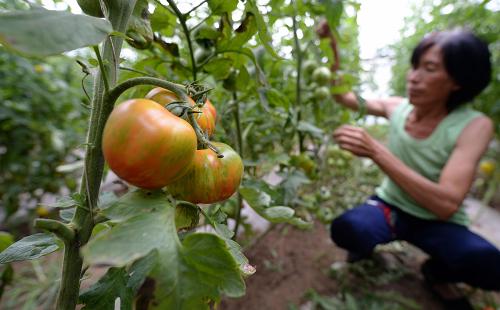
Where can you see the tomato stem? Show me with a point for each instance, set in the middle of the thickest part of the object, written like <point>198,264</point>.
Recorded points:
<point>239,140</point>
<point>83,221</point>
<point>61,230</point>
<point>298,98</point>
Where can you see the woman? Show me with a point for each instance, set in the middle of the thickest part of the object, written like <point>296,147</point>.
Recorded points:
<point>435,144</point>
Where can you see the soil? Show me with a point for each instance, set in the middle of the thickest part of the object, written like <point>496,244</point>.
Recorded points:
<point>290,262</point>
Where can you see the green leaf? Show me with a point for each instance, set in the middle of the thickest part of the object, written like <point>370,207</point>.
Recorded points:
<point>30,247</point>
<point>279,214</point>
<point>216,219</point>
<point>275,98</point>
<point>45,32</point>
<point>220,68</point>
<point>255,198</point>
<point>333,12</point>
<point>187,273</point>
<point>132,204</point>
<point>63,203</point>
<point>164,21</point>
<point>205,269</point>
<point>264,35</point>
<point>219,7</point>
<point>6,240</point>
<point>243,33</point>
<point>120,283</point>
<point>310,129</point>
<point>186,216</point>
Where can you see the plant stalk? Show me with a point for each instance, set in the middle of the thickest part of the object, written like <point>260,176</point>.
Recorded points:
<point>83,222</point>
<point>298,91</point>
<point>239,143</point>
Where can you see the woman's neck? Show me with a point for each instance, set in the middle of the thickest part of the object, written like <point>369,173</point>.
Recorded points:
<point>433,112</point>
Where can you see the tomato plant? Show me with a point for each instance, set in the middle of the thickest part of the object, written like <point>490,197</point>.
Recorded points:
<point>210,179</point>
<point>146,145</point>
<point>206,116</point>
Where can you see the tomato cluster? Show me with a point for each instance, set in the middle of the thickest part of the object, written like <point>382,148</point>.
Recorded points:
<point>150,147</point>
<point>318,76</point>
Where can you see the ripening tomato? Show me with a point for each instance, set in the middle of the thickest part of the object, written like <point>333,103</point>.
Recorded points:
<point>487,167</point>
<point>205,119</point>
<point>210,179</point>
<point>146,145</point>
<point>210,107</point>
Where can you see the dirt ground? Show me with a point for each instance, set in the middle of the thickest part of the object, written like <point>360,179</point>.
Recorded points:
<point>290,262</point>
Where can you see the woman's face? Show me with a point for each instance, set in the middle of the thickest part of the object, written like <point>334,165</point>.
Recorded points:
<point>428,83</point>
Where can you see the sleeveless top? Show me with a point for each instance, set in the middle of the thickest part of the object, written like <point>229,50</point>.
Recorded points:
<point>426,156</point>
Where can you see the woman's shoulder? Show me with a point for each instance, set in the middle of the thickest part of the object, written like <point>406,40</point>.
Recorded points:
<point>475,128</point>
<point>395,105</point>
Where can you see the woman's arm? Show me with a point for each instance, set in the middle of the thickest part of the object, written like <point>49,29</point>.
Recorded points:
<point>378,107</point>
<point>444,197</point>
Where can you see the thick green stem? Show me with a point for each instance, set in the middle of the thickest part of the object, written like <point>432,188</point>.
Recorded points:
<point>239,141</point>
<point>298,98</point>
<point>83,222</point>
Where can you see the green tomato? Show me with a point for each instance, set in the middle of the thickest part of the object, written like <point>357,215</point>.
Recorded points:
<point>321,75</point>
<point>309,66</point>
<point>322,93</point>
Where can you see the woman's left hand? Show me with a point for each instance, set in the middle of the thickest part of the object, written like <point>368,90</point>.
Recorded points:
<point>357,141</point>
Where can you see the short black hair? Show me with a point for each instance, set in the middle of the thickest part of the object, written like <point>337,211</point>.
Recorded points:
<point>466,59</point>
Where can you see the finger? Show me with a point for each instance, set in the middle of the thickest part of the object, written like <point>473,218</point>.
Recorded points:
<point>353,134</point>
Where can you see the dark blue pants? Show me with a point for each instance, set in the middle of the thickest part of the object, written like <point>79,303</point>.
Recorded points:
<point>457,254</point>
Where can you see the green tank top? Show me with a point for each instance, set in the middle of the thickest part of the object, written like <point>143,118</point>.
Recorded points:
<point>426,156</point>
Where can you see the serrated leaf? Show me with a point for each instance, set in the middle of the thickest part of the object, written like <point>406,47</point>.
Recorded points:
<point>279,214</point>
<point>187,274</point>
<point>219,7</point>
<point>30,247</point>
<point>120,283</point>
<point>46,32</point>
